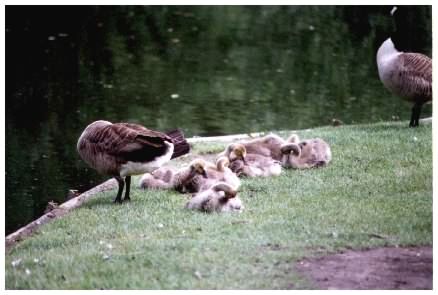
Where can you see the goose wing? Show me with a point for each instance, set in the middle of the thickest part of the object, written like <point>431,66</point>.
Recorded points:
<point>415,75</point>
<point>132,142</point>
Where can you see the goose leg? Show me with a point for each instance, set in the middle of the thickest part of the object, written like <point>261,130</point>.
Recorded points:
<point>415,116</point>
<point>121,183</point>
<point>128,187</point>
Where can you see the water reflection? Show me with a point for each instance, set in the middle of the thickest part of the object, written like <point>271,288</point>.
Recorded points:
<point>208,70</point>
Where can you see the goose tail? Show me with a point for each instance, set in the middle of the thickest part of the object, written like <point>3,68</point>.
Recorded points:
<point>181,146</point>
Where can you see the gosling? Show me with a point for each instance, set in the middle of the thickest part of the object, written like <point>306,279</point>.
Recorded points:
<point>305,154</point>
<point>221,197</point>
<point>251,165</point>
<point>268,146</point>
<point>180,180</point>
<point>214,173</point>
<point>158,179</point>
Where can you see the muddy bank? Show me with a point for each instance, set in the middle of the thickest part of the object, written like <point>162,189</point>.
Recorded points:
<point>381,268</point>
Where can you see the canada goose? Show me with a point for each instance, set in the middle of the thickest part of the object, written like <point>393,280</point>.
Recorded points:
<point>125,149</point>
<point>305,154</point>
<point>406,74</point>
<point>251,165</point>
<point>166,178</point>
<point>221,197</point>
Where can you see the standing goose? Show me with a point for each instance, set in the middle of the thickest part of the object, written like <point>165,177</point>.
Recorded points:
<point>124,149</point>
<point>406,74</point>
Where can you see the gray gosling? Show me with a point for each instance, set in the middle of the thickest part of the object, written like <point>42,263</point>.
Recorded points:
<point>159,179</point>
<point>179,180</point>
<point>221,197</point>
<point>216,172</point>
<point>305,154</point>
<point>268,146</point>
<point>251,165</point>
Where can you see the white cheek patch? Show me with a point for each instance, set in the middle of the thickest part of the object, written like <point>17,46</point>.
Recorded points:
<point>135,168</point>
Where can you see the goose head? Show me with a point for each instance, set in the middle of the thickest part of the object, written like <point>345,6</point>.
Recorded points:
<point>385,28</point>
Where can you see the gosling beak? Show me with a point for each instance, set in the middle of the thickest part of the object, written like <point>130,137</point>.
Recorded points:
<point>204,174</point>
<point>231,195</point>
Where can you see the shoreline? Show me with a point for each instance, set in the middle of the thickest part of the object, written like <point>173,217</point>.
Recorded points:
<point>64,208</point>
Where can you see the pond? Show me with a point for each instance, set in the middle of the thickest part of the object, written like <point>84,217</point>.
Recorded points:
<point>209,70</point>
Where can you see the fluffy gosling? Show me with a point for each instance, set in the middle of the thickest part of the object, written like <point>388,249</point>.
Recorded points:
<point>305,154</point>
<point>221,197</point>
<point>180,180</point>
<point>251,165</point>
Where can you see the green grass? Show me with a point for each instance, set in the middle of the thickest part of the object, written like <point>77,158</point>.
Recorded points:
<point>377,191</point>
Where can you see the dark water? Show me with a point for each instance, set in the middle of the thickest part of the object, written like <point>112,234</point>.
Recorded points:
<point>208,70</point>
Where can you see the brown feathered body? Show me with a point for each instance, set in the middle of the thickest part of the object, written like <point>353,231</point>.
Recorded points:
<point>125,149</point>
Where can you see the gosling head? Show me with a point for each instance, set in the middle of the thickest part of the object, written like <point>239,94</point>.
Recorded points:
<point>291,149</point>
<point>198,166</point>
<point>229,191</point>
<point>237,151</point>
<point>228,200</point>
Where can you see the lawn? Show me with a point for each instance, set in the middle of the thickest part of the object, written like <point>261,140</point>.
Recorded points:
<point>377,191</point>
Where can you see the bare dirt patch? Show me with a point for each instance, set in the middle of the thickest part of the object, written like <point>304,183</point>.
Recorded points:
<point>381,268</point>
